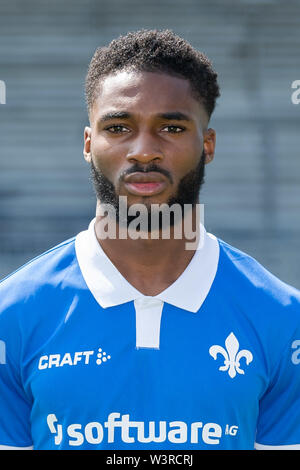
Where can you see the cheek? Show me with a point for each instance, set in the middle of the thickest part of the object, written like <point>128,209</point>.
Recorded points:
<point>107,159</point>
<point>187,159</point>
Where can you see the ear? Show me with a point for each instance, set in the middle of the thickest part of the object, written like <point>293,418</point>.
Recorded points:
<point>87,144</point>
<point>209,144</point>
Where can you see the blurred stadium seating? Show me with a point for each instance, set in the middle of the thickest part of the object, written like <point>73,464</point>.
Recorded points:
<point>252,189</point>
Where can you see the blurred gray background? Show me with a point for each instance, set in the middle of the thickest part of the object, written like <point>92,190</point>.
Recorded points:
<point>252,189</point>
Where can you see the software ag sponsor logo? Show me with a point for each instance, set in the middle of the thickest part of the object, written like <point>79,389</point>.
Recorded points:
<point>121,427</point>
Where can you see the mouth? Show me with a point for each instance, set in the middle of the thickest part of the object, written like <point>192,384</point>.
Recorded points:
<point>145,184</point>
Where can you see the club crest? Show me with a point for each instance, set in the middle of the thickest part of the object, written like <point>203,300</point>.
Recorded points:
<point>232,355</point>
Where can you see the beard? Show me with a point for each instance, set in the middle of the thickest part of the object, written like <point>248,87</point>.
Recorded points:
<point>187,194</point>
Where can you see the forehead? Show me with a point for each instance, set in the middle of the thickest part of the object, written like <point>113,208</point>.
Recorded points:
<point>148,93</point>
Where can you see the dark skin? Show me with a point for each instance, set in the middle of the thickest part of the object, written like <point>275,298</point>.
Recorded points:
<point>147,133</point>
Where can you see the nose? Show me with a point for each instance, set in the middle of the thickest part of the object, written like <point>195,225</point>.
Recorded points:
<point>144,149</point>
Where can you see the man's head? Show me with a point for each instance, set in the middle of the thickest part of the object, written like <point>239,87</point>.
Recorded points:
<point>150,96</point>
<point>154,51</point>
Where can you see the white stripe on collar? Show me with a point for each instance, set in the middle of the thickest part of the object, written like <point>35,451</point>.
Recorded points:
<point>110,288</point>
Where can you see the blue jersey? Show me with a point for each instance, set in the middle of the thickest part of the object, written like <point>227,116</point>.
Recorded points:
<point>89,362</point>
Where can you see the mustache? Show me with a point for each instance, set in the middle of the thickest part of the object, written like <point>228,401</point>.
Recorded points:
<point>146,169</point>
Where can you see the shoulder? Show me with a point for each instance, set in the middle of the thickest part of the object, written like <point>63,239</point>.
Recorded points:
<point>35,299</point>
<point>254,274</point>
<point>256,302</point>
<point>257,290</point>
<point>38,277</point>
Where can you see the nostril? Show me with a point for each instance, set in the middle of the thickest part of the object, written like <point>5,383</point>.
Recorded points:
<point>144,157</point>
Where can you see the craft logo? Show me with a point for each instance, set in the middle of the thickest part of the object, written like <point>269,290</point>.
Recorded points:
<point>73,359</point>
<point>2,92</point>
<point>296,94</point>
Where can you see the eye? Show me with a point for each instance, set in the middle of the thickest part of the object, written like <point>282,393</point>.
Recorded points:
<point>117,129</point>
<point>173,129</point>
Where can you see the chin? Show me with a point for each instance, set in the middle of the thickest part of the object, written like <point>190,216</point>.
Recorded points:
<point>147,201</point>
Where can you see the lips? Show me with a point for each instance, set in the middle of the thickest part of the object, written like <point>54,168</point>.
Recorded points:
<point>145,184</point>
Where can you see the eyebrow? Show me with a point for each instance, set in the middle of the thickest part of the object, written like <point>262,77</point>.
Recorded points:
<point>170,116</point>
<point>114,115</point>
<point>175,116</point>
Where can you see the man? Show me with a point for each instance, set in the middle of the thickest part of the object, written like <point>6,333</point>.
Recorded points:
<point>124,338</point>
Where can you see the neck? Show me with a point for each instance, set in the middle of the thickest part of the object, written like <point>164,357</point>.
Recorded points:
<point>151,264</point>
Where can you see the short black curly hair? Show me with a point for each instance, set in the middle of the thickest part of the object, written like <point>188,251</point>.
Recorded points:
<point>154,51</point>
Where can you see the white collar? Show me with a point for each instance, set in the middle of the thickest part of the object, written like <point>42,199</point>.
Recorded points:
<point>110,288</point>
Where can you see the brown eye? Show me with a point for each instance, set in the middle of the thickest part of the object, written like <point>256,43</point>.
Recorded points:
<point>117,129</point>
<point>173,129</point>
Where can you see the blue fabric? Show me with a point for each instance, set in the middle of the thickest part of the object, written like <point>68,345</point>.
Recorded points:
<point>72,378</point>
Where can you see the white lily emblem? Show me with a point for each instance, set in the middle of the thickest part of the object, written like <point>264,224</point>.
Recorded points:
<point>231,355</point>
